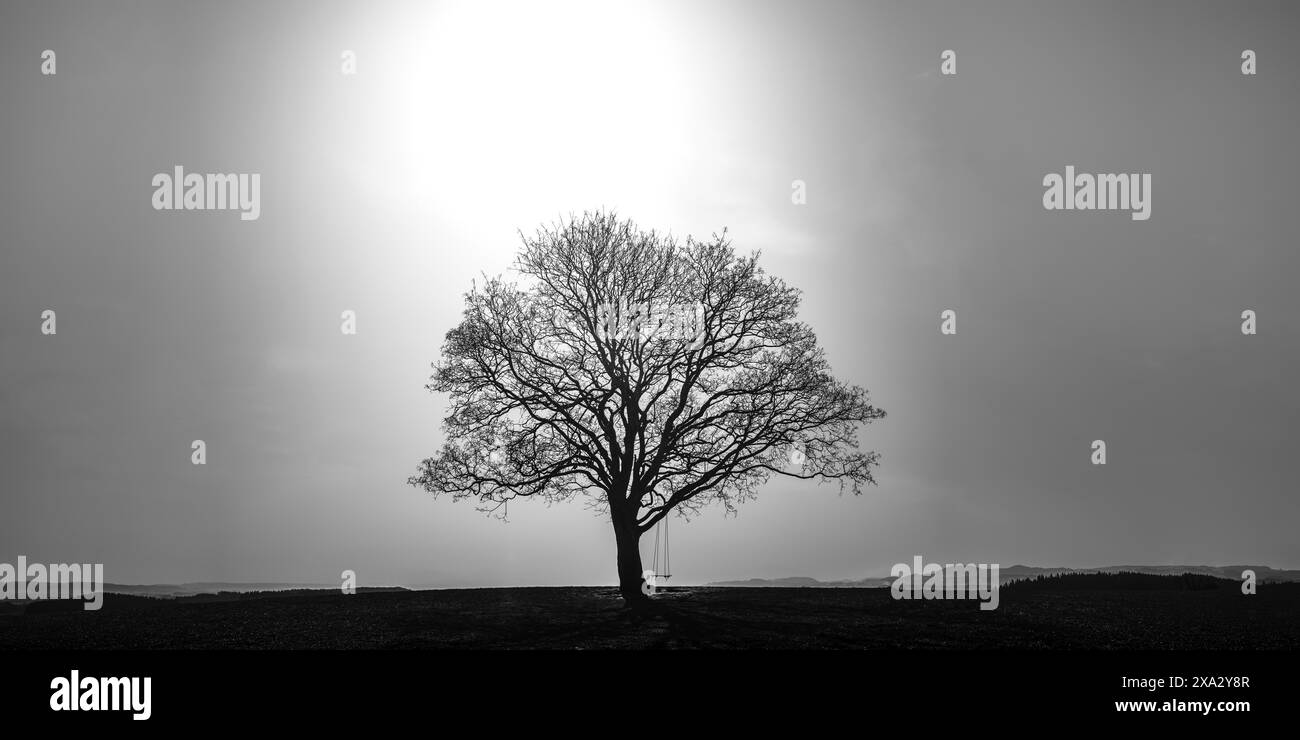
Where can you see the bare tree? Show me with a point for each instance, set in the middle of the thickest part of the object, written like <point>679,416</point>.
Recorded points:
<point>643,375</point>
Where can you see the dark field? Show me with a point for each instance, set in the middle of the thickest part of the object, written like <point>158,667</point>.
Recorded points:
<point>1216,618</point>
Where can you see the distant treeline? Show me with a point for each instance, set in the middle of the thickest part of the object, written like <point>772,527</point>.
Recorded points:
<point>134,601</point>
<point>288,592</point>
<point>1122,580</point>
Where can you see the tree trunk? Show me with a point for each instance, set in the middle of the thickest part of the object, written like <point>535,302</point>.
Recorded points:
<point>628,539</point>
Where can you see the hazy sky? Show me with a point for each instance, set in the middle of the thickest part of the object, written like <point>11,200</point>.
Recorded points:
<point>388,191</point>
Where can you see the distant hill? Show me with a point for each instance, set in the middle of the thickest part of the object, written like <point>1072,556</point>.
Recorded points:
<point>804,582</point>
<point>178,591</point>
<point>1021,572</point>
<point>1122,581</point>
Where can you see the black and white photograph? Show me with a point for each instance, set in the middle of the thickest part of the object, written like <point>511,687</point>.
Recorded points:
<point>620,362</point>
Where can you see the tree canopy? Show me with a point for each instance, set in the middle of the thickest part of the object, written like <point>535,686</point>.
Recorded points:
<point>640,373</point>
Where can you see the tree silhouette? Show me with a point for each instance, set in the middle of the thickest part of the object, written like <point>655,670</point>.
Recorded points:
<point>642,375</point>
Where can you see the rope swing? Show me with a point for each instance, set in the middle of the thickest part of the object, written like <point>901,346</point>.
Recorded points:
<point>661,538</point>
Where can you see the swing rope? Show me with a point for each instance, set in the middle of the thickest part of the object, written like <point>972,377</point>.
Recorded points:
<point>667,573</point>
